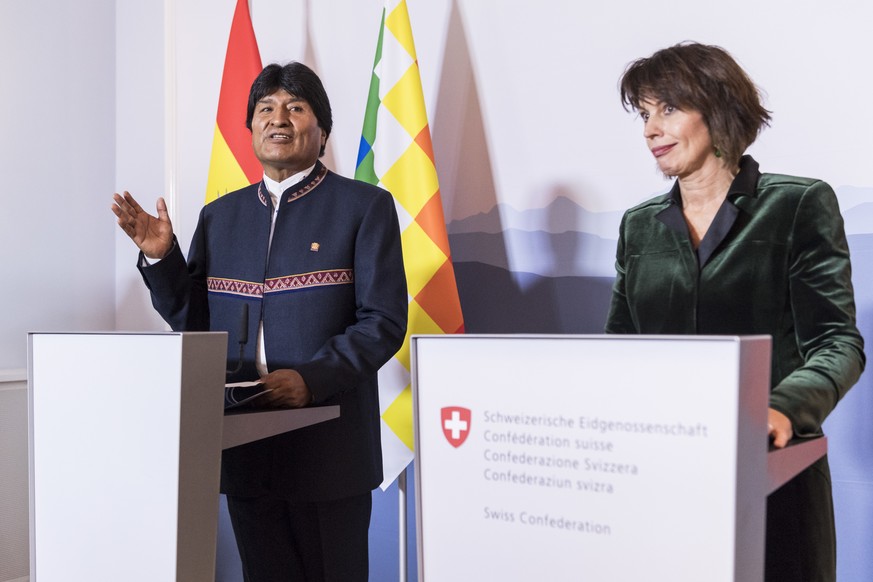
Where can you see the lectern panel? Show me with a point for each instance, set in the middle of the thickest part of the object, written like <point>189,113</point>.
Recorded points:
<point>590,458</point>
<point>125,433</point>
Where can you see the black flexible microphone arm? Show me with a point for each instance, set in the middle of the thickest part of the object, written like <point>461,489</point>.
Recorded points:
<point>243,335</point>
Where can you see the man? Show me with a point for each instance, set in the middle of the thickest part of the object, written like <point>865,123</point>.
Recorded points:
<point>318,258</point>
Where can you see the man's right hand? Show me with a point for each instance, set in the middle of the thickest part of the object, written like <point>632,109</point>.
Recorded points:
<point>153,236</point>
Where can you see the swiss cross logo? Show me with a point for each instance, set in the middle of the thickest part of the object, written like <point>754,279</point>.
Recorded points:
<point>455,421</point>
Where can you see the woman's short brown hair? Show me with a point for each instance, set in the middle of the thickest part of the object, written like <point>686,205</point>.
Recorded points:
<point>703,78</point>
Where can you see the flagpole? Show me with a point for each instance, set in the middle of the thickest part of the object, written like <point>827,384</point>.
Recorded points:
<point>170,127</point>
<point>402,527</point>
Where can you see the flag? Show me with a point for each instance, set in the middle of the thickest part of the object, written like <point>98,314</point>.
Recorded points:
<point>396,153</point>
<point>233,164</point>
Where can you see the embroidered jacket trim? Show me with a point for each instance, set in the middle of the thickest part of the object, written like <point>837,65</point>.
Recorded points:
<point>280,284</point>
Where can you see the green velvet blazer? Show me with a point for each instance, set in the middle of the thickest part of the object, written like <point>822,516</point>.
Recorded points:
<point>774,261</point>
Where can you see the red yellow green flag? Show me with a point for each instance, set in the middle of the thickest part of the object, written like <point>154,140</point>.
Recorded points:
<point>233,164</point>
<point>396,153</point>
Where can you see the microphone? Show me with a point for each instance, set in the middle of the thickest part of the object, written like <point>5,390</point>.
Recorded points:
<point>243,335</point>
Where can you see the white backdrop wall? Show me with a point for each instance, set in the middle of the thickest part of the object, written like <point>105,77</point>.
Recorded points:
<point>536,157</point>
<point>57,157</point>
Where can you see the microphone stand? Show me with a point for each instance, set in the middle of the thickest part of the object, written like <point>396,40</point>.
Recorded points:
<point>243,335</point>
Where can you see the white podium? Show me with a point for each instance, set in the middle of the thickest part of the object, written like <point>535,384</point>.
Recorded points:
<point>602,458</point>
<point>126,433</point>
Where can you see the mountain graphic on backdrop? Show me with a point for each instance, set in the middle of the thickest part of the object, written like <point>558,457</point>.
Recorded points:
<point>856,203</point>
<point>561,215</point>
<point>562,239</point>
<point>550,270</point>
<point>859,219</point>
<point>549,274</point>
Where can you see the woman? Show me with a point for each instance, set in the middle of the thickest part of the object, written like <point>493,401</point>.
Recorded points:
<point>730,250</point>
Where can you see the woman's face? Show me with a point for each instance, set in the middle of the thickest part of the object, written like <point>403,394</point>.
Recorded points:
<point>678,139</point>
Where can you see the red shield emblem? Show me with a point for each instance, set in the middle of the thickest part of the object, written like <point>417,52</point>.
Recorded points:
<point>455,421</point>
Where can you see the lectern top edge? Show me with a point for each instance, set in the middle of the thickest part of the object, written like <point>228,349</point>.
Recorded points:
<point>624,337</point>
<point>122,332</point>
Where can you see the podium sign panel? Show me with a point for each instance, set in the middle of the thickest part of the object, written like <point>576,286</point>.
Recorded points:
<point>125,450</point>
<point>591,457</point>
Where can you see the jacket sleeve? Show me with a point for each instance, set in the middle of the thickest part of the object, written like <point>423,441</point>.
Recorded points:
<point>823,308</point>
<point>178,289</point>
<point>619,319</point>
<point>381,308</point>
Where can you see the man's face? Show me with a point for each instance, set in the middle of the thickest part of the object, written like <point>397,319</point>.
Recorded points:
<point>285,135</point>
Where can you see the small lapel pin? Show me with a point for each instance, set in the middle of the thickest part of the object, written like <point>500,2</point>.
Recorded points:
<point>314,247</point>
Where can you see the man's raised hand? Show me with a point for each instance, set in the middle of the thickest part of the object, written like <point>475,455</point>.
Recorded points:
<point>153,235</point>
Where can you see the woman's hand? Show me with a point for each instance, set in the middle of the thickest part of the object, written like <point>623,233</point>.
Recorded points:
<point>779,428</point>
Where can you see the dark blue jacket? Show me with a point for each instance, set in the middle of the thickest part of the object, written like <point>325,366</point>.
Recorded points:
<point>332,295</point>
